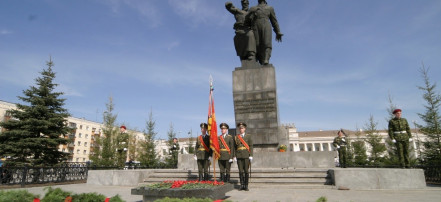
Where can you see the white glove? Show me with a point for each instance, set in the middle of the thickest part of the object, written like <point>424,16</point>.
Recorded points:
<point>195,158</point>
<point>235,159</point>
<point>410,139</point>
<point>231,160</point>
<point>394,141</point>
<point>343,140</point>
<point>209,158</point>
<point>338,147</point>
<point>251,158</point>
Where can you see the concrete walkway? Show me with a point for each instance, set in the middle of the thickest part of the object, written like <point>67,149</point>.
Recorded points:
<point>276,194</point>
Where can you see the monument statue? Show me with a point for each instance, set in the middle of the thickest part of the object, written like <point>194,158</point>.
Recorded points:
<point>259,18</point>
<point>244,41</point>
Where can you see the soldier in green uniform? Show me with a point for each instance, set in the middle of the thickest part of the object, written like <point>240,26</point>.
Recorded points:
<point>174,150</point>
<point>226,144</point>
<point>122,141</point>
<point>340,144</point>
<point>399,132</point>
<point>244,155</point>
<point>203,152</point>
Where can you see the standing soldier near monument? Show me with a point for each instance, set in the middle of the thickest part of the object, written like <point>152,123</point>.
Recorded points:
<point>226,153</point>
<point>244,155</point>
<point>340,144</point>
<point>203,152</point>
<point>399,133</point>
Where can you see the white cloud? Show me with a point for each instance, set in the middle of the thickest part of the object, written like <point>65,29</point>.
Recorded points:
<point>145,8</point>
<point>5,32</point>
<point>198,11</point>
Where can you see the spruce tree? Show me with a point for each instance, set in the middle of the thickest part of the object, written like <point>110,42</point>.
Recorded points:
<point>104,146</point>
<point>149,157</point>
<point>172,158</point>
<point>377,148</point>
<point>360,156</point>
<point>432,120</point>
<point>36,130</point>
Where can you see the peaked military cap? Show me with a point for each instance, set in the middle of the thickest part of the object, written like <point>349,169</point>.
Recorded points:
<point>224,125</point>
<point>204,125</point>
<point>396,110</point>
<point>123,126</point>
<point>241,124</point>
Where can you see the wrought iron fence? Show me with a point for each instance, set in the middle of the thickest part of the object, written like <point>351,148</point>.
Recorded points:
<point>40,175</point>
<point>432,174</point>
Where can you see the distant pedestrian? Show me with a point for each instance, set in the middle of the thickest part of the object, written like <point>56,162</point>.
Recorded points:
<point>399,133</point>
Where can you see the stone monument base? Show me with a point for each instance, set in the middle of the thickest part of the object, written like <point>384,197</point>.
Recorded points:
<point>316,159</point>
<point>378,178</point>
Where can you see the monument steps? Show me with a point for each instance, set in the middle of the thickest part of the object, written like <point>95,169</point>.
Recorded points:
<point>308,178</point>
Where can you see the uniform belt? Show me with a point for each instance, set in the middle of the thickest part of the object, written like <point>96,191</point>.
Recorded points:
<point>224,149</point>
<point>400,132</point>
<point>201,149</point>
<point>342,145</point>
<point>241,148</point>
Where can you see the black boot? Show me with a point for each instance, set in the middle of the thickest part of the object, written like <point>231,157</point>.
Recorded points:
<point>227,178</point>
<point>246,182</point>
<point>200,177</point>
<point>222,177</point>
<point>241,181</point>
<point>206,176</point>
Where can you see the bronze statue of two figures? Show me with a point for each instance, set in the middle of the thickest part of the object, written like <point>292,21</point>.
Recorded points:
<point>253,39</point>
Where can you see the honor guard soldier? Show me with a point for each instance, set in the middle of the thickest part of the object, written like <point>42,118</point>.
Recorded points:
<point>244,155</point>
<point>203,152</point>
<point>340,144</point>
<point>226,153</point>
<point>399,132</point>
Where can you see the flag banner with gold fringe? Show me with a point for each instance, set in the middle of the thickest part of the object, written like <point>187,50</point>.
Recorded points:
<point>212,126</point>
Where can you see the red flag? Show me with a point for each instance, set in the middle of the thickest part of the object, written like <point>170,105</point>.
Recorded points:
<point>212,126</point>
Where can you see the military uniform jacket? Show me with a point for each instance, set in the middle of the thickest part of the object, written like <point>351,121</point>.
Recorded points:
<point>201,153</point>
<point>399,129</point>
<point>241,151</point>
<point>339,141</point>
<point>224,154</point>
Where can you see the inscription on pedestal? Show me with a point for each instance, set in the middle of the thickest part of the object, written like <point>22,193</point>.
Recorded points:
<point>255,103</point>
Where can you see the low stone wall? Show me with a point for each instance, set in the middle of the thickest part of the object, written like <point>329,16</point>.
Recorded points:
<point>117,177</point>
<point>378,178</point>
<point>317,159</point>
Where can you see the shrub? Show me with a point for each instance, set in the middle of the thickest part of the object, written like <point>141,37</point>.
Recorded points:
<point>53,195</point>
<point>17,196</point>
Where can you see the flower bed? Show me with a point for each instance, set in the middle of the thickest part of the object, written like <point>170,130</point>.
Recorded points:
<point>183,189</point>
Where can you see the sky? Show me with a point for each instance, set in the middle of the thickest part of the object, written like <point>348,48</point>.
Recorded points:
<point>338,63</point>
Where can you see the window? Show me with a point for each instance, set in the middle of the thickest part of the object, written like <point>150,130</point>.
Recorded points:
<point>87,136</point>
<point>79,135</point>
<point>87,127</point>
<point>85,144</point>
<point>81,127</point>
<point>84,152</point>
<point>84,159</point>
<point>79,143</point>
<point>77,159</point>
<point>78,152</point>
<point>325,147</point>
<point>317,146</point>
<point>302,147</point>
